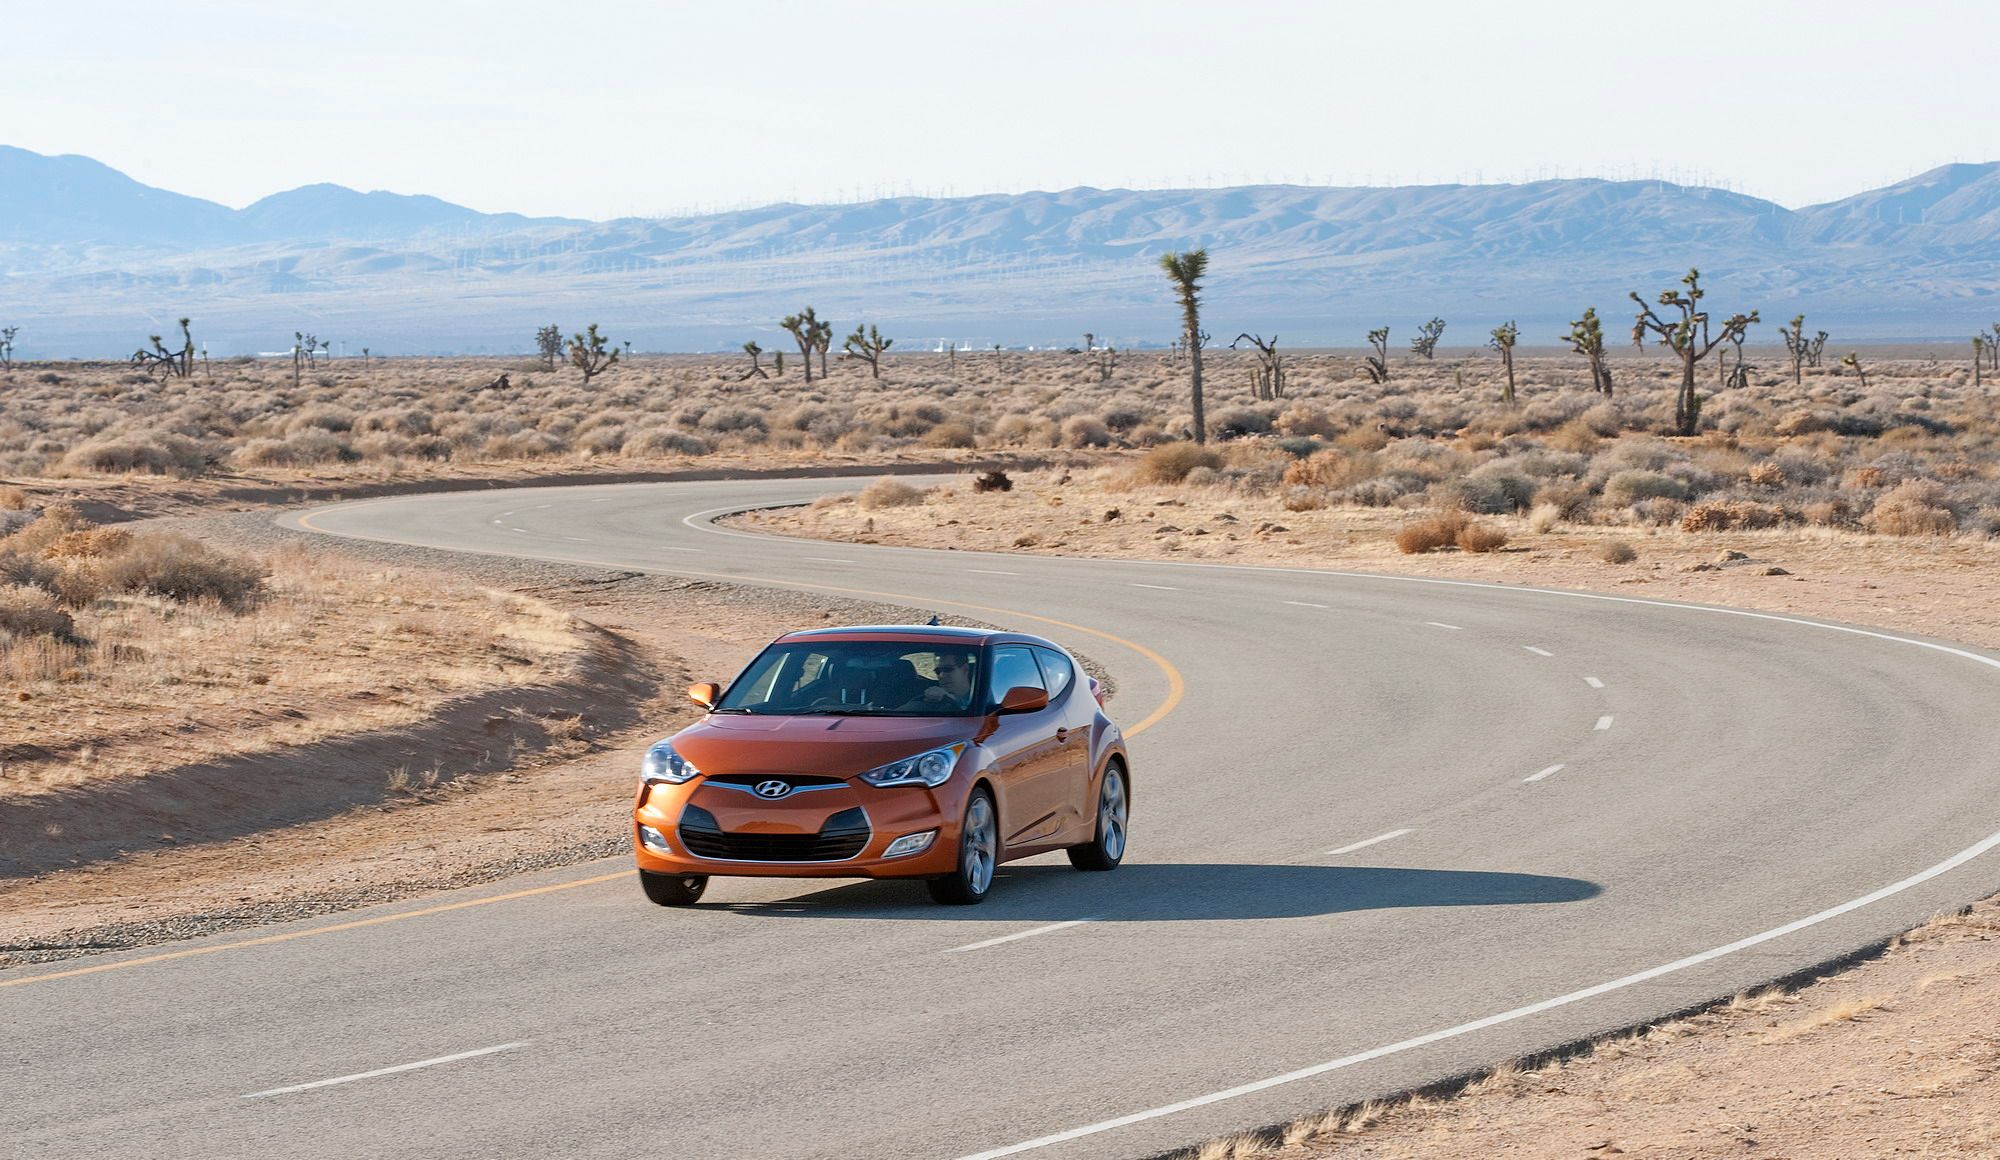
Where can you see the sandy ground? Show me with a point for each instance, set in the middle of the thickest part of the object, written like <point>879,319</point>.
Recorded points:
<point>1897,1056</point>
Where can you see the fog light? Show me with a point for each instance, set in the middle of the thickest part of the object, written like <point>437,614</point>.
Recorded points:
<point>654,840</point>
<point>910,844</point>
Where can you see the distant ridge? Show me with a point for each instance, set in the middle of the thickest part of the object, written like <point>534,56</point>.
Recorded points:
<point>96,253</point>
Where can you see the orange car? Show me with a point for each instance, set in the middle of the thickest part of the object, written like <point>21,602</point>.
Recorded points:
<point>902,751</point>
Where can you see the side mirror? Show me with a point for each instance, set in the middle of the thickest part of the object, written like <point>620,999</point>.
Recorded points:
<point>705,694</point>
<point>1024,699</point>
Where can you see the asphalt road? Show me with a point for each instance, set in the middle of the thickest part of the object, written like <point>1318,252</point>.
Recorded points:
<point>1389,830</point>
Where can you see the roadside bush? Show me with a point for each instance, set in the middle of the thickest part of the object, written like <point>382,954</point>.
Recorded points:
<point>31,612</point>
<point>661,441</point>
<point>182,568</point>
<point>1171,462</point>
<point>1629,487</point>
<point>1083,431</point>
<point>1429,535</point>
<point>1481,538</point>
<point>148,453</point>
<point>952,435</point>
<point>887,493</point>
<point>1238,422</point>
<point>1914,508</point>
<point>1730,514</point>
<point>1617,552</point>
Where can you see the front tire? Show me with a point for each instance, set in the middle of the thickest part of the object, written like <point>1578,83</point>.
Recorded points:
<point>1106,847</point>
<point>978,855</point>
<point>673,889</point>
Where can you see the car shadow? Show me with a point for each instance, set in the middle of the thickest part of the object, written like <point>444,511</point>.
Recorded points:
<point>1179,892</point>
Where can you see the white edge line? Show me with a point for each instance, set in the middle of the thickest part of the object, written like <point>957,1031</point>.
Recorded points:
<point>1603,723</point>
<point>1305,604</point>
<point>1442,624</point>
<point>1369,842</point>
<point>380,1071</point>
<point>1540,652</point>
<point>1593,682</point>
<point>1693,960</point>
<point>1007,938</point>
<point>1539,776</point>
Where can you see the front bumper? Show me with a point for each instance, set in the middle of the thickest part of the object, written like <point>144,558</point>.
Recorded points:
<point>736,834</point>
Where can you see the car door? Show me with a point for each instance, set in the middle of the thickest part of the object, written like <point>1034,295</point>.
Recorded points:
<point>1076,711</point>
<point>1027,756</point>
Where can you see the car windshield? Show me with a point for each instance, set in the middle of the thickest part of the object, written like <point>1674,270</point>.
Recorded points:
<point>858,678</point>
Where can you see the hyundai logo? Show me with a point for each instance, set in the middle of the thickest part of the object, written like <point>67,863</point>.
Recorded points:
<point>772,789</point>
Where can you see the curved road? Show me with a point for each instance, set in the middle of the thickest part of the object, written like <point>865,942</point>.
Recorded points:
<point>1386,831</point>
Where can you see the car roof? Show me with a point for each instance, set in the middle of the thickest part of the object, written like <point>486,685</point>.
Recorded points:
<point>910,632</point>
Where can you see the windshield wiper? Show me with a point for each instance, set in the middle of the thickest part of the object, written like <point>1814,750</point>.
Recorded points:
<point>832,712</point>
<point>748,712</point>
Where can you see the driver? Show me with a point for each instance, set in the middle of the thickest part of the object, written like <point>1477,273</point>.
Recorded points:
<point>953,687</point>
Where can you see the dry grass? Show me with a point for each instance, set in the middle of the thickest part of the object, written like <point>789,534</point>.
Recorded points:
<point>121,654</point>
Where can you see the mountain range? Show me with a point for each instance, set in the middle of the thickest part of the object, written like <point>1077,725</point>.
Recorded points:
<point>91,261</point>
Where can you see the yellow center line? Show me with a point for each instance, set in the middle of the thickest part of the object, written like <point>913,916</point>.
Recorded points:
<point>1176,688</point>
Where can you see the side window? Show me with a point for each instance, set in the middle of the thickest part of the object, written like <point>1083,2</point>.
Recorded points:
<point>1057,670</point>
<point>1013,667</point>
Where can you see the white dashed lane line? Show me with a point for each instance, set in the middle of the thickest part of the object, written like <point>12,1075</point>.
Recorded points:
<point>1539,776</point>
<point>825,560</point>
<point>1369,842</point>
<point>1603,723</point>
<point>381,1071</point>
<point>1007,938</point>
<point>992,572</point>
<point>1160,587</point>
<point>1540,652</point>
<point>1442,624</point>
<point>1593,682</point>
<point>1305,604</point>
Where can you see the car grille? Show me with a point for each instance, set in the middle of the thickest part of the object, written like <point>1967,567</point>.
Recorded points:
<point>840,838</point>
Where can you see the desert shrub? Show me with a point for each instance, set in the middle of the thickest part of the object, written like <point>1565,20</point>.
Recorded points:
<point>1858,478</point>
<point>1617,552</point>
<point>1544,518</point>
<point>1238,422</point>
<point>995,480</point>
<point>1828,513</point>
<point>306,447</point>
<point>150,453</point>
<point>887,493</point>
<point>19,569</point>
<point>950,435</point>
<point>1386,489</point>
<point>1429,535</point>
<point>1913,508</point>
<point>1571,498</point>
<point>325,418</point>
<point>1305,419</point>
<point>725,420</point>
<point>1299,446</point>
<point>182,568</point>
<point>1659,511</point>
<point>607,440</point>
<point>1629,487</point>
<point>1481,538</point>
<point>1171,462</point>
<point>1124,418</point>
<point>1725,515</point>
<point>659,441</point>
<point>523,445</point>
<point>396,420</point>
<point>1303,499</point>
<point>88,542</point>
<point>13,499</point>
<point>55,521</point>
<point>1332,467</point>
<point>1765,475</point>
<point>32,612</point>
<point>1084,431</point>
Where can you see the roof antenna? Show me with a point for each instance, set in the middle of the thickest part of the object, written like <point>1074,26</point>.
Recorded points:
<point>933,622</point>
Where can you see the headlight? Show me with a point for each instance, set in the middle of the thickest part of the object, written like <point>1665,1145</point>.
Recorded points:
<point>931,768</point>
<point>664,765</point>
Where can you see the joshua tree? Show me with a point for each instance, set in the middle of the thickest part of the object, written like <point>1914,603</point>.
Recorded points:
<point>1586,337</point>
<point>591,353</point>
<point>822,340</point>
<point>1978,356</point>
<point>549,341</point>
<point>804,328</point>
<point>1378,363</point>
<point>1798,346</point>
<point>1089,342</point>
<point>1815,348</point>
<point>778,363</point>
<point>1426,342</point>
<point>1185,271</point>
<point>364,355</point>
<point>1993,348</point>
<point>7,346</point>
<point>175,364</point>
<point>1107,362</point>
<point>756,354</point>
<point>1504,337</point>
<point>1690,339</point>
<point>868,347</point>
<point>1270,381</point>
<point>1739,375</point>
<point>1853,361</point>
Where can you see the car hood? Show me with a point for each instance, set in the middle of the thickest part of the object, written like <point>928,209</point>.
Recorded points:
<point>827,746</point>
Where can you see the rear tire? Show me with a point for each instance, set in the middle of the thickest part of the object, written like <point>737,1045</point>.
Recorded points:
<point>673,889</point>
<point>978,855</point>
<point>1106,847</point>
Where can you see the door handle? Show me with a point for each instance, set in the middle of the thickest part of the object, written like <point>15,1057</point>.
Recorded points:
<point>1062,734</point>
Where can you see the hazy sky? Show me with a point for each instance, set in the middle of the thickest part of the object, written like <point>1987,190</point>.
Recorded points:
<point>597,110</point>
